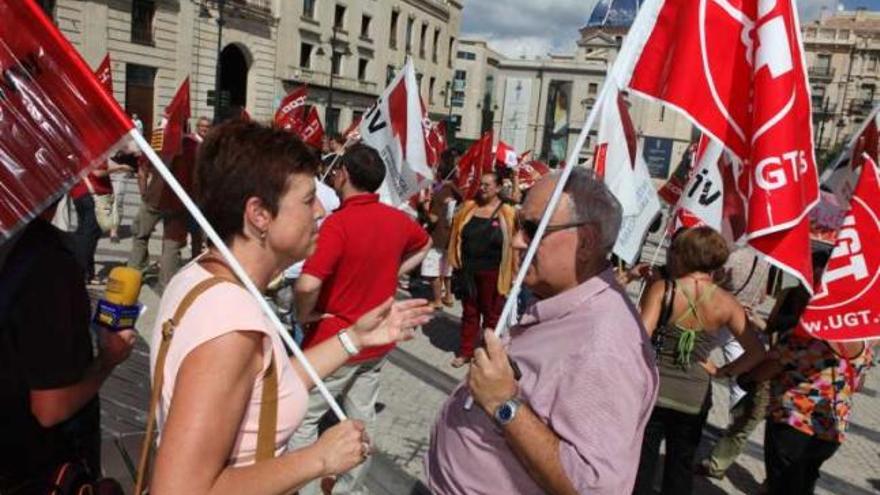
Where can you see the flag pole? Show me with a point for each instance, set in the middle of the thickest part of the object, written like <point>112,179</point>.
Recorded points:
<point>507,312</point>
<point>236,268</point>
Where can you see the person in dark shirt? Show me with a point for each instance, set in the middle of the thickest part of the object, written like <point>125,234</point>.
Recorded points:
<point>480,247</point>
<point>49,375</point>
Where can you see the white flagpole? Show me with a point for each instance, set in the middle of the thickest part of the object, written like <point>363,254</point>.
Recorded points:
<point>506,313</point>
<point>348,142</point>
<point>236,268</point>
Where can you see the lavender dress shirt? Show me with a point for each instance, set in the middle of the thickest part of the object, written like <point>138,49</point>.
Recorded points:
<point>588,372</point>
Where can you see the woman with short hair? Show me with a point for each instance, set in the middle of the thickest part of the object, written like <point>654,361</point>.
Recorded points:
<point>221,355</point>
<point>683,316</point>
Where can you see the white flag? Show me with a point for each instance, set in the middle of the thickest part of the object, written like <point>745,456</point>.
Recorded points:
<point>619,161</point>
<point>393,126</point>
<point>702,198</point>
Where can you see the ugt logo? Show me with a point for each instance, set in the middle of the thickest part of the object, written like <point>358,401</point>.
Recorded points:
<point>760,26</point>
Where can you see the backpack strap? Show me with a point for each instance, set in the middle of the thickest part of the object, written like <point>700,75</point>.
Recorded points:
<point>269,398</point>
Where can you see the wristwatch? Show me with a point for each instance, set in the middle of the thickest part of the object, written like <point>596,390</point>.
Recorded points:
<point>505,413</point>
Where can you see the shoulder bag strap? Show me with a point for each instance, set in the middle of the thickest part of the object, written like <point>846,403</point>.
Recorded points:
<point>158,378</point>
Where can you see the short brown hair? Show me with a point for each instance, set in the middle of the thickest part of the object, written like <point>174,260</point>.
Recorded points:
<point>239,160</point>
<point>699,249</point>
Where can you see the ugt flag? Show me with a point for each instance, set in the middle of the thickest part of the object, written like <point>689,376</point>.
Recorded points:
<point>56,119</point>
<point>506,155</point>
<point>736,69</point>
<point>292,116</point>
<point>168,136</point>
<point>393,126</point>
<point>846,305</point>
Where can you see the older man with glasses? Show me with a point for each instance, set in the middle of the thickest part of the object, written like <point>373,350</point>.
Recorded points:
<point>562,406</point>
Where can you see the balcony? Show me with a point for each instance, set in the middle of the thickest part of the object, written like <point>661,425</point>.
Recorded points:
<point>317,78</point>
<point>259,10</point>
<point>821,72</point>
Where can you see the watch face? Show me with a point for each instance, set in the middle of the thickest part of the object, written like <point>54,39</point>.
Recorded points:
<point>505,413</point>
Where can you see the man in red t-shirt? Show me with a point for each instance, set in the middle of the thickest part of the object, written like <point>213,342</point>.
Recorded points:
<point>362,249</point>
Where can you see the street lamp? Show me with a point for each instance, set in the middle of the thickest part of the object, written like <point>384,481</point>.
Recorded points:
<point>347,51</point>
<point>450,131</point>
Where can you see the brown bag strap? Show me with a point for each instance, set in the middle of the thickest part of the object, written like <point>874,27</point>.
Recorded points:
<point>268,415</point>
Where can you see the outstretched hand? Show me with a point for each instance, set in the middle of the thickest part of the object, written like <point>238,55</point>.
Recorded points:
<point>391,321</point>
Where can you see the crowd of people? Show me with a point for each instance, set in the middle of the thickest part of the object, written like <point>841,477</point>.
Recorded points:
<point>576,398</point>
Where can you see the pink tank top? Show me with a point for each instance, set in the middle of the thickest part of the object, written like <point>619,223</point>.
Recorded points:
<point>222,309</point>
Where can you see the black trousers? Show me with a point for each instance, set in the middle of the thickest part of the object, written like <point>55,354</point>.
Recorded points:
<point>792,459</point>
<point>87,234</point>
<point>682,432</point>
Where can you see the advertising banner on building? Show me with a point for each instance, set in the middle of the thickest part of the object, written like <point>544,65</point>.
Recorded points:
<point>515,121</point>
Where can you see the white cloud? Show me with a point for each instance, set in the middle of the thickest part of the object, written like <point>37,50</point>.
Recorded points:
<point>530,27</point>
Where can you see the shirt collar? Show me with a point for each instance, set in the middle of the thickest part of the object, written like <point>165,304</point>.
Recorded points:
<point>360,199</point>
<point>561,304</point>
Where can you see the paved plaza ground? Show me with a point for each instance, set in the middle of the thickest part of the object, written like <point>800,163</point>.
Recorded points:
<point>417,380</point>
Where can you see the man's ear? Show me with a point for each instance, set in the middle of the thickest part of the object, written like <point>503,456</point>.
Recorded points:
<point>588,241</point>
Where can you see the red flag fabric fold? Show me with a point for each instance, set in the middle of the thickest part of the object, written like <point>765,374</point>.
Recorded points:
<point>56,119</point>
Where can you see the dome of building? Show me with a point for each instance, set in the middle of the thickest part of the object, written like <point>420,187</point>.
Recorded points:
<point>614,13</point>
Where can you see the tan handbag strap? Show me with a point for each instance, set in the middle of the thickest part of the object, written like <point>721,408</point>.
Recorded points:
<point>268,415</point>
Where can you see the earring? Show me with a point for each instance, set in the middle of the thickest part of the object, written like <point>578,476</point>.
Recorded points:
<point>263,238</point>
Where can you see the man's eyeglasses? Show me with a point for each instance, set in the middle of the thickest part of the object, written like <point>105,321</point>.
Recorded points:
<point>530,227</point>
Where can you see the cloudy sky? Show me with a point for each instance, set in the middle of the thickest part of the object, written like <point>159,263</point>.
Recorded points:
<point>535,27</point>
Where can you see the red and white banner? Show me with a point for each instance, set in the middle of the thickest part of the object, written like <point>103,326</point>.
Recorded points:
<point>476,161</point>
<point>671,191</point>
<point>394,127</point>
<point>737,71</point>
<point>846,305</point>
<point>614,155</point>
<point>435,140</point>
<point>104,73</point>
<point>620,162</point>
<point>506,155</point>
<point>56,119</point>
<point>293,115</point>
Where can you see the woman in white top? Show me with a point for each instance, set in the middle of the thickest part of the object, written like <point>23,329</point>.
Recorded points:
<point>256,187</point>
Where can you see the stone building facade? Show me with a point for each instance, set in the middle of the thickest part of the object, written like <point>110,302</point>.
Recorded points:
<point>344,50</point>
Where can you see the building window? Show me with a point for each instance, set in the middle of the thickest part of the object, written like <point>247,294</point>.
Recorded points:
<point>336,63</point>
<point>305,55</point>
<point>139,93</point>
<point>434,47</point>
<point>389,74</point>
<point>423,39</point>
<point>142,14</point>
<point>339,17</point>
<point>410,22</point>
<point>592,88</point>
<point>431,83</point>
<point>872,63</point>
<point>362,69</point>
<point>332,117</point>
<point>459,81</point>
<point>463,55</point>
<point>365,27</point>
<point>392,35</point>
<point>309,9</point>
<point>451,45</point>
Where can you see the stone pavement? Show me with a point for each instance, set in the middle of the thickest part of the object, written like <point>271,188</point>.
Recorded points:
<point>416,382</point>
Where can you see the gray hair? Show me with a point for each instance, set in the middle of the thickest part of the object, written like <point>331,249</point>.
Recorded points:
<point>593,203</point>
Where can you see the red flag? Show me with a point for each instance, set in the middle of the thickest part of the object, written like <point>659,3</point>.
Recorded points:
<point>841,177</point>
<point>738,72</point>
<point>352,131</point>
<point>312,131</point>
<point>57,119</point>
<point>505,155</point>
<point>173,126</point>
<point>671,191</point>
<point>475,162</point>
<point>846,305</point>
<point>529,172</point>
<point>105,74</point>
<point>435,141</point>
<point>291,113</point>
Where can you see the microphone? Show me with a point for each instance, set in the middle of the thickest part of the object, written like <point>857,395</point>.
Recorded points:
<point>119,308</point>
